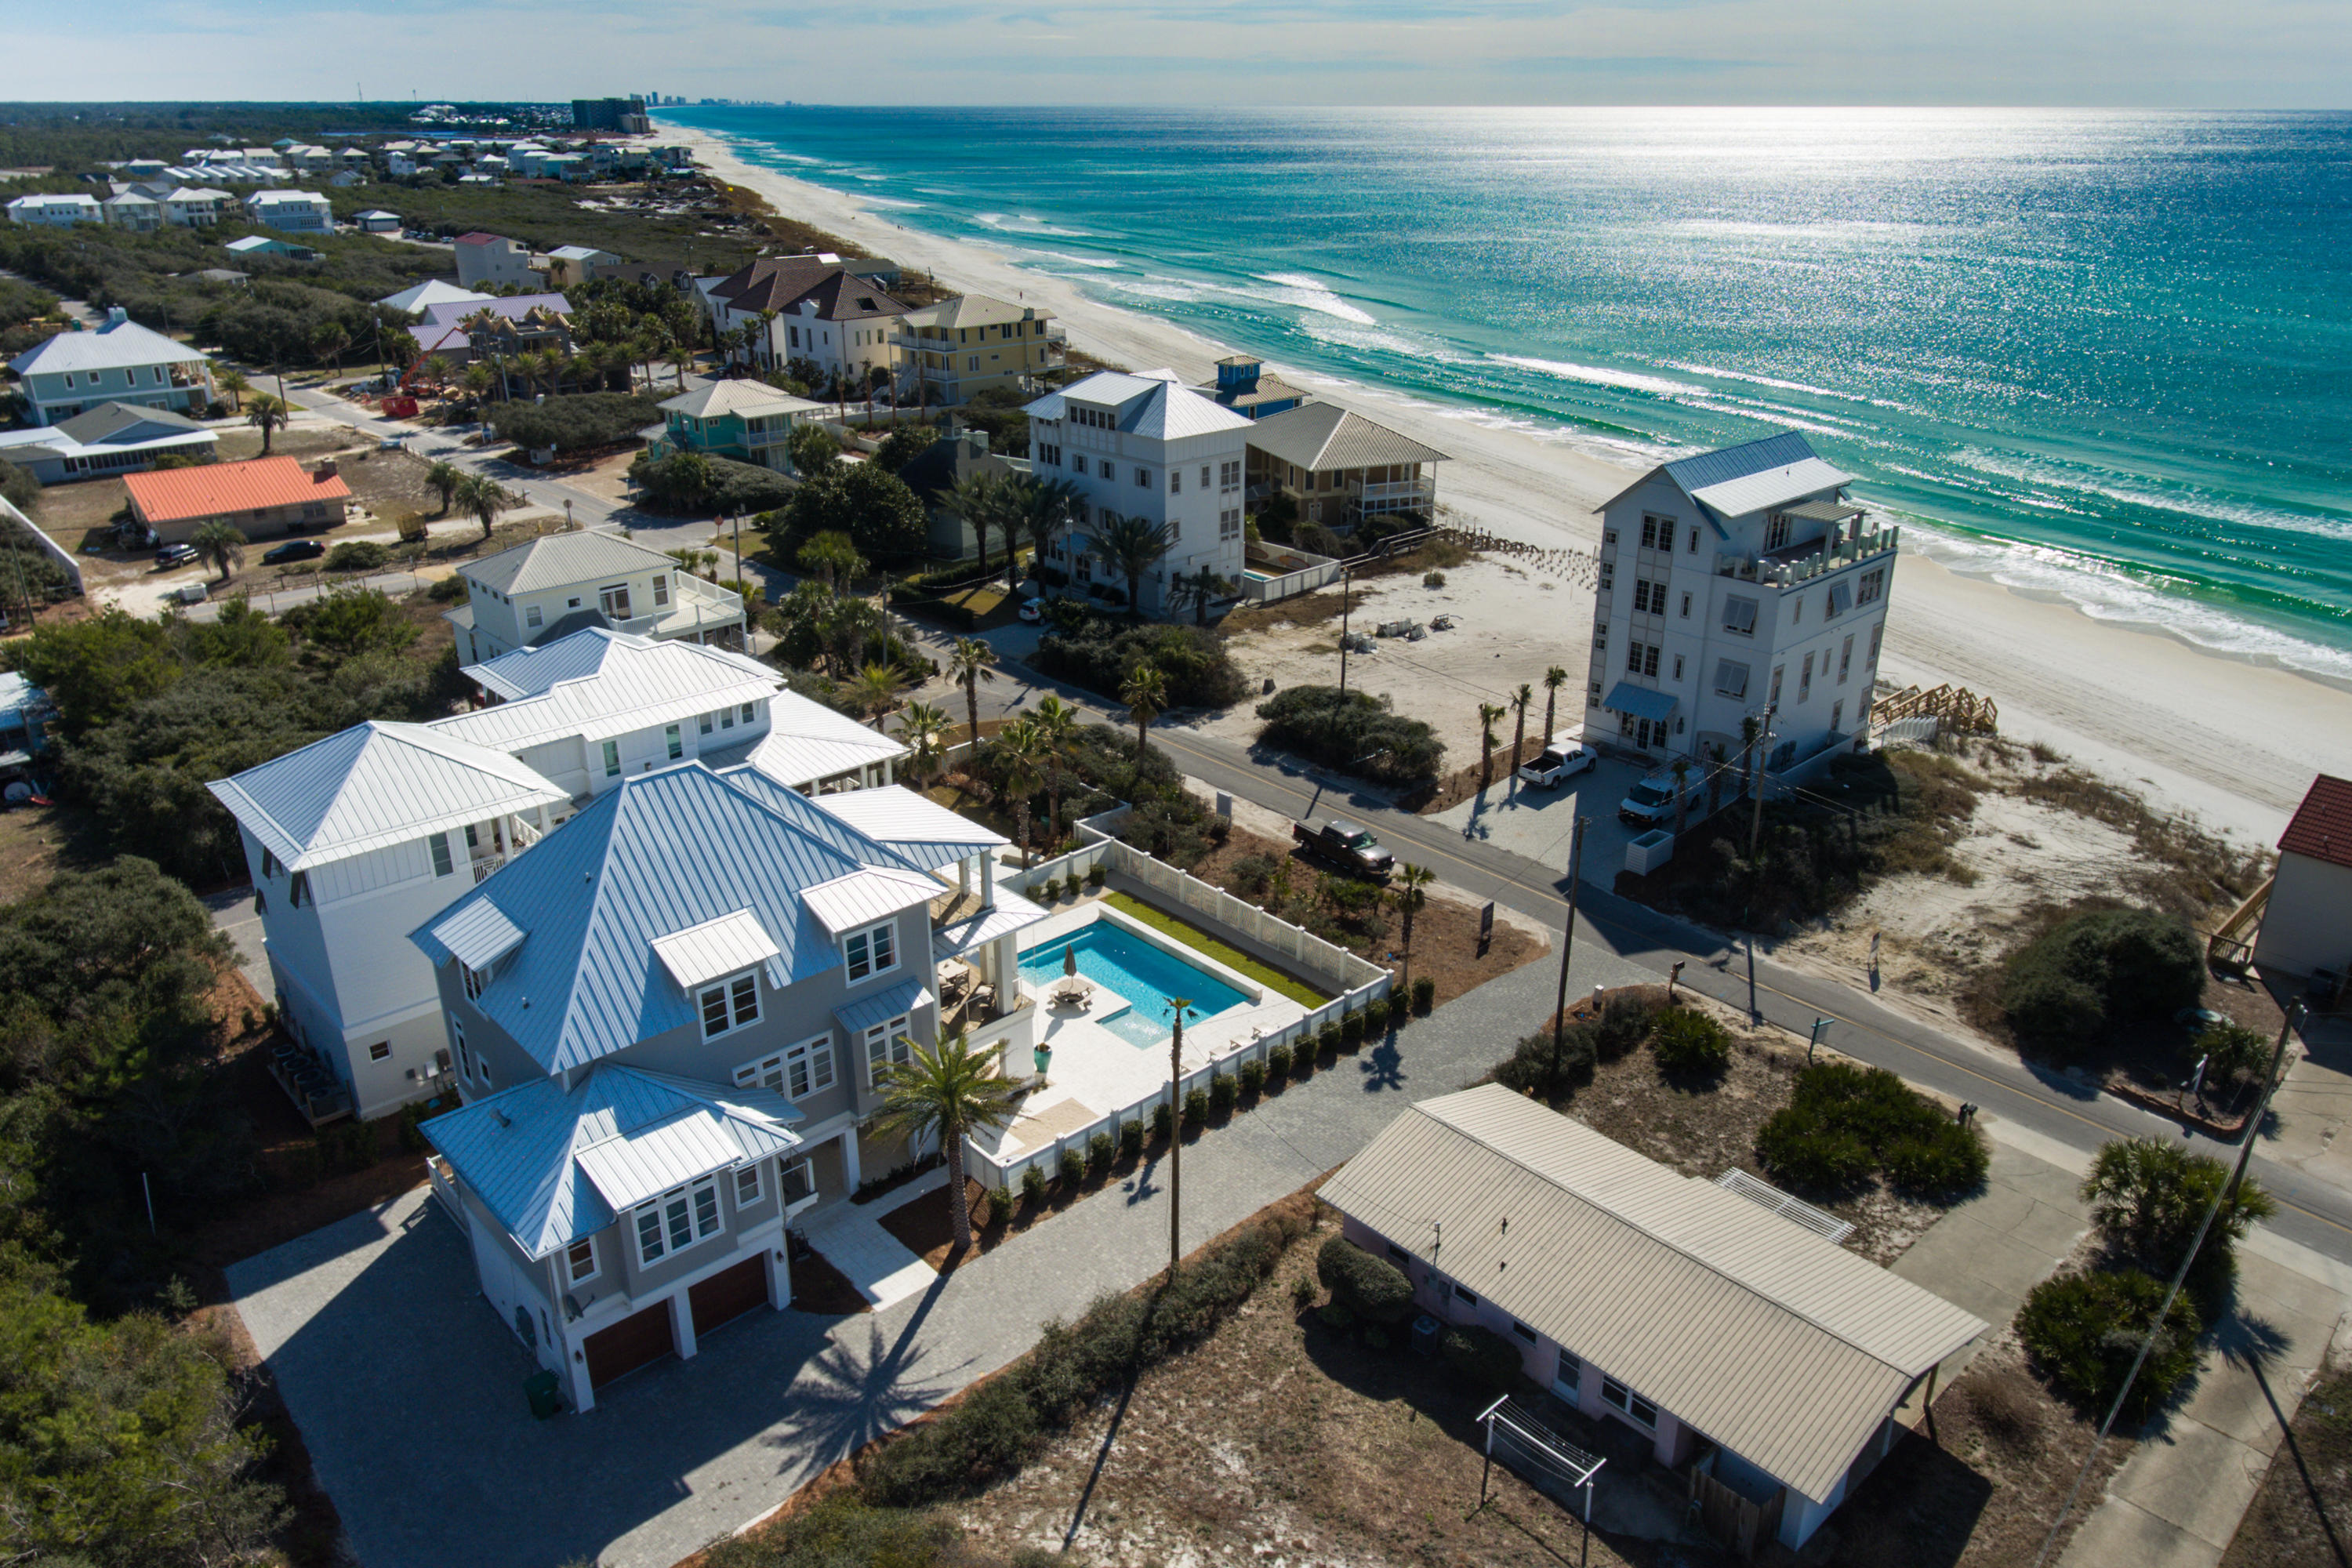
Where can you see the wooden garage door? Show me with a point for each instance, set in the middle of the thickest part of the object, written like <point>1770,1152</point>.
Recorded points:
<point>729,1294</point>
<point>628,1344</point>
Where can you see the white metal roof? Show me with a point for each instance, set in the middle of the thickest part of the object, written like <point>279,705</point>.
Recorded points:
<point>866,895</point>
<point>728,945</point>
<point>528,671</point>
<point>600,683</point>
<point>1152,404</point>
<point>560,560</point>
<point>479,935</point>
<point>1012,912</point>
<point>744,398</point>
<point>114,346</point>
<point>627,1170</point>
<point>808,742</point>
<point>373,785</point>
<point>1773,487</point>
<point>915,824</point>
<point>1776,1343</point>
<point>1323,436</point>
<point>432,291</point>
<point>895,1002</point>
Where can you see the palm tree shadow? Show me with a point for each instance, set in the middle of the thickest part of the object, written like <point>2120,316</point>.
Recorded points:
<point>1382,1067</point>
<point>847,1396</point>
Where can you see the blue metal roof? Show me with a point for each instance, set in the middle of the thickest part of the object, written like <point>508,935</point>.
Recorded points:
<point>1641,701</point>
<point>521,1151</point>
<point>661,853</point>
<point>1695,473</point>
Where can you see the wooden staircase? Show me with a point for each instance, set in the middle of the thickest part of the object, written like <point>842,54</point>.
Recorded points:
<point>2232,945</point>
<point>1961,710</point>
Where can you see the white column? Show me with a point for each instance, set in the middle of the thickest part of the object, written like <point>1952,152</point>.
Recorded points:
<point>780,1275</point>
<point>849,1148</point>
<point>987,869</point>
<point>575,1370</point>
<point>681,1324</point>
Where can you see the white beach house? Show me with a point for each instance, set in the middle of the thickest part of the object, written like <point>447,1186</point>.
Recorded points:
<point>1730,583</point>
<point>1143,445</point>
<point>558,583</point>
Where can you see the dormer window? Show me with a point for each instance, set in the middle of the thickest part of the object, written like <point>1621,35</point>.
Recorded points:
<point>729,1005</point>
<point>873,951</point>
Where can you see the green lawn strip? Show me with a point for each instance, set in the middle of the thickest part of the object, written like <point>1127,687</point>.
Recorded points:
<point>1190,936</point>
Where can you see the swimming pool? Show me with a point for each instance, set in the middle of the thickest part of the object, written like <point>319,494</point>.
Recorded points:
<point>1138,971</point>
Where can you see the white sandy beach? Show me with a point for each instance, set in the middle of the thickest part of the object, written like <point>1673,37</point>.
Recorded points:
<point>2236,741</point>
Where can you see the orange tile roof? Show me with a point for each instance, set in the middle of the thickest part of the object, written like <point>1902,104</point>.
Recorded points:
<point>217,490</point>
<point>2322,827</point>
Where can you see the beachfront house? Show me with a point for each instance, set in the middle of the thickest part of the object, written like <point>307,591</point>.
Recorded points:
<point>945,352</point>
<point>746,421</point>
<point>1143,445</point>
<point>550,587</point>
<point>2307,930</point>
<point>118,362</point>
<point>384,824</point>
<point>111,438</point>
<point>810,308</point>
<point>1731,582</point>
<point>1762,1361</point>
<point>493,261</point>
<point>659,1075</point>
<point>260,497</point>
<point>1338,469</point>
<point>1243,386</point>
<point>50,209</point>
<point>291,212</point>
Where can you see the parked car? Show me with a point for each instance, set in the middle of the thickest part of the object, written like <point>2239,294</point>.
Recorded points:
<point>1650,803</point>
<point>1562,760</point>
<point>1032,610</point>
<point>170,555</point>
<point>293,550</point>
<point>192,593</point>
<point>1344,847</point>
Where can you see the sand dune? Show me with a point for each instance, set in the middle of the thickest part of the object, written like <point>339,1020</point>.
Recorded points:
<point>2234,741</point>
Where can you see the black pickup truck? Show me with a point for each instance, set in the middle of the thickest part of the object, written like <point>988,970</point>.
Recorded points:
<point>1344,847</point>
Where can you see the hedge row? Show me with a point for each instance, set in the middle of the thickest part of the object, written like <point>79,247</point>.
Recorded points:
<point>1844,1122</point>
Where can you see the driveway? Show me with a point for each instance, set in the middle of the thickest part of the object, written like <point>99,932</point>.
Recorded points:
<point>1536,824</point>
<point>408,1388</point>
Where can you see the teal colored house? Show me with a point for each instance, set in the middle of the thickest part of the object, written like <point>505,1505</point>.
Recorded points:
<point>748,421</point>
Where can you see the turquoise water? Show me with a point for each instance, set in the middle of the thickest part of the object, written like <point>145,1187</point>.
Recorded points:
<point>2105,354</point>
<point>1120,962</point>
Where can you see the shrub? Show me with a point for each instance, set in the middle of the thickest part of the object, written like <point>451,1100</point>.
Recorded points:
<point>1032,1187</point>
<point>1353,731</point>
<point>1074,884</point>
<point>357,555</point>
<point>979,1440</point>
<point>1252,1079</point>
<point>1196,1108</point>
<point>1376,1018</point>
<point>1425,996</point>
<point>1334,1317</point>
<point>1101,1149</point>
<point>2101,968</point>
<point>1327,1038</point>
<point>1223,1093</point>
<point>1302,1292</point>
<point>1351,1031</point>
<point>1376,1338</point>
<point>1251,873</point>
<point>1100,652</point>
<point>1844,1122</point>
<point>1624,1023</point>
<point>577,422</point>
<point>2232,1053</point>
<point>2082,1331</point>
<point>1163,1122</point>
<point>1277,1065</point>
<point>1482,1354</point>
<point>1095,876</point>
<point>1371,1287</point>
<point>1433,579</point>
<point>1070,1166</point>
<point>1550,1070</point>
<point>1131,1138</point>
<point>446,590</point>
<point>1302,1059</point>
<point>1689,1044</point>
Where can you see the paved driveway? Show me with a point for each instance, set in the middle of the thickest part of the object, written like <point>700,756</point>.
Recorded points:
<point>408,1389</point>
<point>1536,823</point>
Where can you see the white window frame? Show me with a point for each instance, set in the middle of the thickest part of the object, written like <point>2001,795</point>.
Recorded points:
<point>738,998</point>
<point>810,1062</point>
<point>673,742</point>
<point>661,590</point>
<point>615,596</point>
<point>436,845</point>
<point>886,1046</point>
<point>704,724</point>
<point>533,617</point>
<point>573,1273</point>
<point>865,939</point>
<point>758,1188</point>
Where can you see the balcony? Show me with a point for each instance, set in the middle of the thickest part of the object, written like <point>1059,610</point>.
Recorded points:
<point>1397,495</point>
<point>1798,563</point>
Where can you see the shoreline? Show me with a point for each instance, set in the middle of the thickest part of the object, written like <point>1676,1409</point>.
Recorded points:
<point>2233,736</point>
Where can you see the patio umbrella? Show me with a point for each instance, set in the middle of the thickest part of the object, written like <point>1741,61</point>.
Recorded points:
<point>1070,961</point>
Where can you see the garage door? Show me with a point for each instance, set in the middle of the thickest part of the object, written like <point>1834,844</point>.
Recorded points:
<point>628,1346</point>
<point>729,1294</point>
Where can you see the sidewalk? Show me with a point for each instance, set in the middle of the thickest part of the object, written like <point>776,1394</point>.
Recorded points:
<point>851,1237</point>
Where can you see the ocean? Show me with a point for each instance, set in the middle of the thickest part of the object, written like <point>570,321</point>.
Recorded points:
<point>2097,355</point>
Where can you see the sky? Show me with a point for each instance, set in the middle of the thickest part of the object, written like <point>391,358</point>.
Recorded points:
<point>2245,53</point>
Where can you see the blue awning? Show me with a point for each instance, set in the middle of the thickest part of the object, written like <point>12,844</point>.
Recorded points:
<point>1640,701</point>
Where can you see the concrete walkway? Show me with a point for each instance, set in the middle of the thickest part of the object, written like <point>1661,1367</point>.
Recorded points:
<point>852,1240</point>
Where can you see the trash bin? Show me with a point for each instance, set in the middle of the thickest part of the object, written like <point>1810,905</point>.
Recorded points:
<point>1425,1332</point>
<point>540,1388</point>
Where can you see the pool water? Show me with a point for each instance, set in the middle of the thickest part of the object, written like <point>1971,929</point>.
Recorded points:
<point>1139,974</point>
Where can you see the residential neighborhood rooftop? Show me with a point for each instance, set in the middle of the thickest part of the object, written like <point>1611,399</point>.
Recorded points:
<point>217,490</point>
<point>1318,436</point>
<point>1152,404</point>
<point>2321,827</point>
<point>558,560</point>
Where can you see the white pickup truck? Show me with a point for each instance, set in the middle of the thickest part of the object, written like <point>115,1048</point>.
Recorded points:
<point>1562,758</point>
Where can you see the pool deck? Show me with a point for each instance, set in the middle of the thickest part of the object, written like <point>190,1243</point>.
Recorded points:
<point>1094,1071</point>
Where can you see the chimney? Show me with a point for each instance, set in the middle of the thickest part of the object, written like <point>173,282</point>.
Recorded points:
<point>326,468</point>
<point>115,316</point>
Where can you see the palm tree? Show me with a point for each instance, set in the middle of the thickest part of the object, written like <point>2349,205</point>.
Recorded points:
<point>1198,589</point>
<point>478,380</point>
<point>924,727</point>
<point>1487,713</point>
<point>1133,545</point>
<point>1554,678</point>
<point>1019,752</point>
<point>980,501</point>
<point>1520,700</point>
<point>480,495</point>
<point>328,341</point>
<point>876,691</point>
<point>443,479</point>
<point>1044,508</point>
<point>1145,692</point>
<point>1058,725</point>
<point>689,478</point>
<point>970,662</point>
<point>400,348</point>
<point>233,382</point>
<point>947,1092</point>
<point>831,556</point>
<point>1408,890</point>
<point>1681,770</point>
<point>218,543</point>
<point>271,413</point>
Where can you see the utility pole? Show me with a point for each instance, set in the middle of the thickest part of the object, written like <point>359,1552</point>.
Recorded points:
<point>1756,820</point>
<point>1347,580</point>
<point>1175,1134</point>
<point>1567,934</point>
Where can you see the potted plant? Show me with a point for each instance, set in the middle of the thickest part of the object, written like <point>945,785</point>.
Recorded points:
<point>1042,1056</point>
